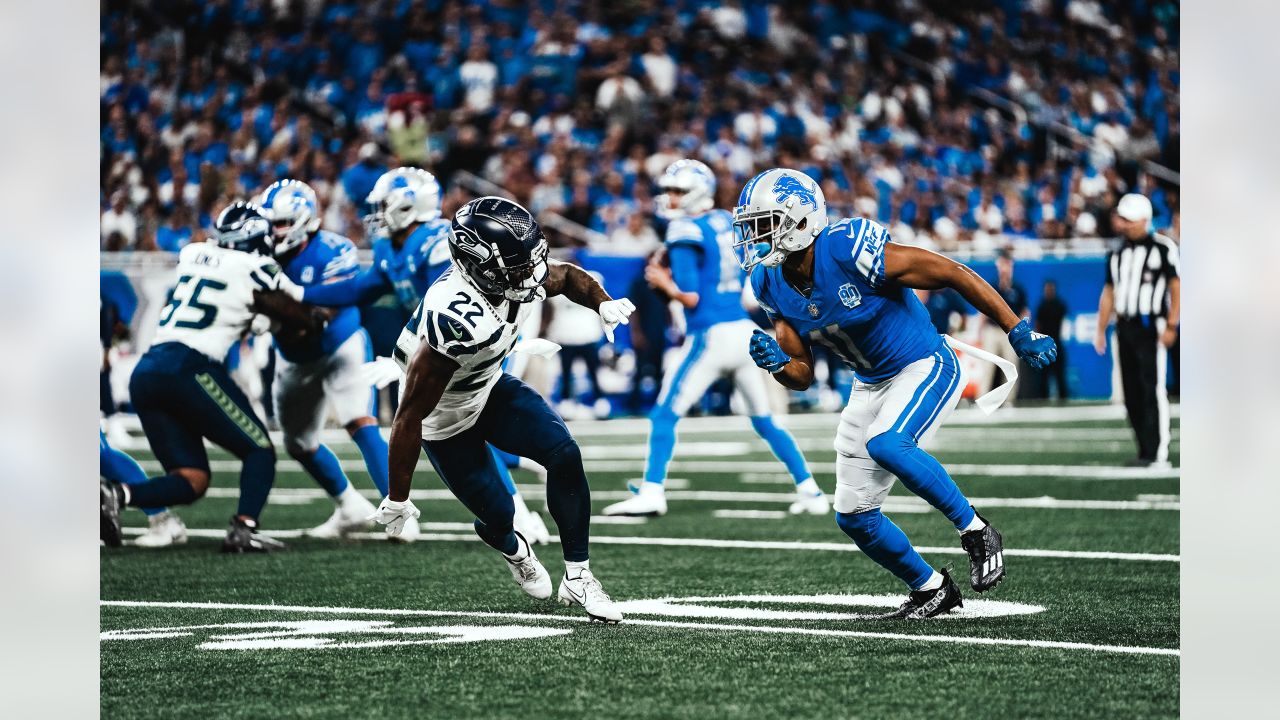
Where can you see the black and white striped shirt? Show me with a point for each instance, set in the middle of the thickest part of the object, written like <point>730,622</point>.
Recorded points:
<point>1139,273</point>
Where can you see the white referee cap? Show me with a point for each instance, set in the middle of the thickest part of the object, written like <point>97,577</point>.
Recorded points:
<point>1134,208</point>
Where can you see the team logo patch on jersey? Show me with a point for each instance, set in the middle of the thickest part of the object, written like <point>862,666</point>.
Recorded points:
<point>813,310</point>
<point>452,330</point>
<point>788,186</point>
<point>850,296</point>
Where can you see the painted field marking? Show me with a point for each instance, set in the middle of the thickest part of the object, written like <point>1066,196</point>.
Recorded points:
<point>793,545</point>
<point>894,503</point>
<point>697,607</point>
<point>311,634</point>
<point>749,514</point>
<point>949,639</point>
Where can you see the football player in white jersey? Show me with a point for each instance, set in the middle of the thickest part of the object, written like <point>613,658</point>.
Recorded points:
<point>181,389</point>
<point>457,398</point>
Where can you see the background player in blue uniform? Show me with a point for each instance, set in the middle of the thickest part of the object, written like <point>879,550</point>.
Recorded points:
<point>846,286</point>
<point>410,253</point>
<point>324,368</point>
<point>182,391</point>
<point>706,280</point>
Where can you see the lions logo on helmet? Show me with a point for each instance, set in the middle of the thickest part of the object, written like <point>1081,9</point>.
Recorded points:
<point>294,212</point>
<point>498,246</point>
<point>689,188</point>
<point>400,198</point>
<point>780,211</point>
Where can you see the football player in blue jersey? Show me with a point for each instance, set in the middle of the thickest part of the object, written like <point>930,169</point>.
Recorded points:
<point>324,368</point>
<point>706,280</point>
<point>847,286</point>
<point>410,251</point>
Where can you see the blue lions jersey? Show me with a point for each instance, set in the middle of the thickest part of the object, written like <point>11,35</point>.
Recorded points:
<point>876,326</point>
<point>327,258</point>
<point>407,272</point>
<point>719,276</point>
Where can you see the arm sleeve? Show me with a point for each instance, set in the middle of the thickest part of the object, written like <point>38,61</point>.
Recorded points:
<point>353,290</point>
<point>684,266</point>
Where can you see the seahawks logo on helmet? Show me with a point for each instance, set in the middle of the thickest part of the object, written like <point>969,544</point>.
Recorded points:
<point>788,186</point>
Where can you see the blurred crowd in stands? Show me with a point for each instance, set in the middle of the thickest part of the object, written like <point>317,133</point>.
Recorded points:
<point>956,123</point>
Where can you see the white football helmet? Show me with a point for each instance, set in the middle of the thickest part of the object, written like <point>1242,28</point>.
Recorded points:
<point>697,183</point>
<point>294,212</point>
<point>400,198</point>
<point>779,212</point>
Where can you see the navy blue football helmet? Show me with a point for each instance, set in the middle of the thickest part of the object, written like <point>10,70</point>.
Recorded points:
<point>243,226</point>
<point>500,248</point>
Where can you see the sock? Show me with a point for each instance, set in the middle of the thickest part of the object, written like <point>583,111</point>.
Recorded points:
<point>933,583</point>
<point>507,459</point>
<point>521,552</point>
<point>503,472</point>
<point>922,474</point>
<point>809,488</point>
<point>119,467</point>
<point>569,500</point>
<point>974,524</point>
<point>783,446</point>
<point>373,448</point>
<point>885,543</point>
<point>323,465</point>
<point>573,569</point>
<point>662,444</point>
<point>257,475</point>
<point>160,492</point>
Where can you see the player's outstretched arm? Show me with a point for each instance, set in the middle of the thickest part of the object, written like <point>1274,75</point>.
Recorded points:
<point>426,378</point>
<point>576,284</point>
<point>918,268</point>
<point>925,270</point>
<point>787,357</point>
<point>293,315</point>
<point>354,290</point>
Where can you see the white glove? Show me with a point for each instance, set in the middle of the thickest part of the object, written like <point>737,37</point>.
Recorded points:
<point>261,325</point>
<point>613,312</point>
<point>395,514</point>
<point>291,288</point>
<point>381,372</point>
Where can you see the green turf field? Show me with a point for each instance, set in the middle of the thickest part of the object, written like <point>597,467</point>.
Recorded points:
<point>1085,625</point>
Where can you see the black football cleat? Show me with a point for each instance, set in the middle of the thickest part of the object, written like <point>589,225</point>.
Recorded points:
<point>986,556</point>
<point>110,503</point>
<point>923,604</point>
<point>243,537</point>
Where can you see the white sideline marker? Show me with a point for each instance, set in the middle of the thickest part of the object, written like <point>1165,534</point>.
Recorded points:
<point>949,639</point>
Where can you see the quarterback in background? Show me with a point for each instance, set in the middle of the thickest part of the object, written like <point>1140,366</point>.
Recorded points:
<point>846,286</point>
<point>457,400</point>
<point>707,282</point>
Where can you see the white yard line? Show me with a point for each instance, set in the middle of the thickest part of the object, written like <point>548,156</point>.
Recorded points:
<point>1066,472</point>
<point>950,639</point>
<point>749,514</point>
<point>794,545</point>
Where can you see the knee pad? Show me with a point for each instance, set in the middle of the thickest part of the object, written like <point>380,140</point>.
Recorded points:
<point>861,526</point>
<point>861,484</point>
<point>889,449</point>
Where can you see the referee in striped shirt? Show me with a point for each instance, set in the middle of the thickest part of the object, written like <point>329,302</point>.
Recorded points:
<point>1142,289</point>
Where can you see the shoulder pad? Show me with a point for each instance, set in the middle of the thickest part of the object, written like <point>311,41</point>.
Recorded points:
<point>683,230</point>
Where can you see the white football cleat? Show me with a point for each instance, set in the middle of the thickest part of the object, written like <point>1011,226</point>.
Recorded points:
<point>352,515</point>
<point>409,533</point>
<point>585,591</point>
<point>650,499</point>
<point>809,500</point>
<point>528,523</point>
<point>528,573</point>
<point>165,529</point>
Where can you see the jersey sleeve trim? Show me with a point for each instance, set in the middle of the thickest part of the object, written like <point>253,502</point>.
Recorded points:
<point>869,240</point>
<point>683,232</point>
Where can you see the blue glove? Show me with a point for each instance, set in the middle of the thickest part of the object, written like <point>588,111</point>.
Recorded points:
<point>1035,349</point>
<point>767,352</point>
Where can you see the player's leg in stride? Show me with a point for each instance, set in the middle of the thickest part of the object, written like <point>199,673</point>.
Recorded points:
<point>527,522</point>
<point>164,527</point>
